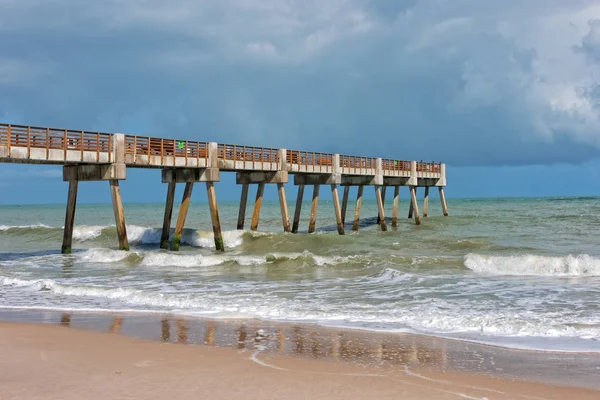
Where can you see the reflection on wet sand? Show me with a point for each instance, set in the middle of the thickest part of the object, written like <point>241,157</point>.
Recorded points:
<point>65,319</point>
<point>182,331</point>
<point>115,325</point>
<point>165,330</point>
<point>299,340</point>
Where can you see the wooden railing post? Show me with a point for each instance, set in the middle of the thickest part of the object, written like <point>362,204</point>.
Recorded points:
<point>28,142</point>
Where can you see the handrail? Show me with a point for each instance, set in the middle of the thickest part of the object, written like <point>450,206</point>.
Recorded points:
<point>32,137</point>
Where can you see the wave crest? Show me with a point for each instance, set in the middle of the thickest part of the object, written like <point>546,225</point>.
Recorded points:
<point>572,265</point>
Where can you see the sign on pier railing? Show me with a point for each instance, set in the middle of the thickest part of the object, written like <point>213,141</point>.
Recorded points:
<point>149,146</point>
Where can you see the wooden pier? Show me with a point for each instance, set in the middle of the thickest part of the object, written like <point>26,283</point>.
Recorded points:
<point>95,156</point>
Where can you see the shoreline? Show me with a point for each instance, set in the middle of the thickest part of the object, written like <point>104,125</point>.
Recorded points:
<point>375,350</point>
<point>157,313</point>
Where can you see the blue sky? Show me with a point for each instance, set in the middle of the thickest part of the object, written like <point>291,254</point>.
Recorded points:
<point>506,93</point>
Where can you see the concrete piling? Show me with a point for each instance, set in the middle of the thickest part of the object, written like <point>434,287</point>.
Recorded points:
<point>383,191</point>
<point>425,201</point>
<point>69,218</point>
<point>313,209</point>
<point>115,192</point>
<point>414,204</point>
<point>298,208</point>
<point>257,204</point>
<point>395,207</point>
<point>357,208</point>
<point>214,216</point>
<point>411,207</point>
<point>284,208</point>
<point>185,204</point>
<point>336,208</point>
<point>379,199</point>
<point>166,230</point>
<point>443,200</point>
<point>345,203</point>
<point>242,211</point>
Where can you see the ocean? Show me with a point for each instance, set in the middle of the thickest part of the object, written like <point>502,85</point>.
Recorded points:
<point>521,273</point>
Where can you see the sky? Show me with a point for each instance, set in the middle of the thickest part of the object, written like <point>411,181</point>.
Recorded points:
<point>506,93</point>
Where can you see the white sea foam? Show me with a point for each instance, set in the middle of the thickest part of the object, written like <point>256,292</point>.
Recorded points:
<point>104,255</point>
<point>34,226</point>
<point>179,260</point>
<point>82,233</point>
<point>572,265</point>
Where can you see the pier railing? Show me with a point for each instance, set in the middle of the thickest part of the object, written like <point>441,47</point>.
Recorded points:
<point>48,143</point>
<point>52,139</point>
<point>165,148</point>
<point>249,157</point>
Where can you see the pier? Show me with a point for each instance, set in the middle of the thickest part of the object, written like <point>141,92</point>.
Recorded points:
<point>95,156</point>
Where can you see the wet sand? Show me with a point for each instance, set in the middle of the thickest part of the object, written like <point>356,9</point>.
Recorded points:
<point>146,356</point>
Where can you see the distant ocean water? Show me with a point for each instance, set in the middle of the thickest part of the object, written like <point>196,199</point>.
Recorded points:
<point>511,272</point>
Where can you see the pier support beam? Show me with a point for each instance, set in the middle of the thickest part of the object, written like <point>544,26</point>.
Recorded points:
<point>380,208</point>
<point>414,204</point>
<point>69,218</point>
<point>185,204</point>
<point>443,200</point>
<point>166,230</point>
<point>395,206</point>
<point>425,201</point>
<point>257,203</point>
<point>357,208</point>
<point>242,211</point>
<point>214,216</point>
<point>313,209</point>
<point>285,218</point>
<point>298,209</point>
<point>345,203</point>
<point>115,192</point>
<point>336,208</point>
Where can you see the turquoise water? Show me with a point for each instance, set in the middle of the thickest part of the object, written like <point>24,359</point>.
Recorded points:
<point>512,272</point>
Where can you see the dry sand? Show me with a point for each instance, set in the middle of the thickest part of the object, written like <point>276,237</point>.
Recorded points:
<point>53,362</point>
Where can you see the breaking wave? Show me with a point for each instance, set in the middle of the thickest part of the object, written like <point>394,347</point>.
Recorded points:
<point>136,234</point>
<point>572,265</point>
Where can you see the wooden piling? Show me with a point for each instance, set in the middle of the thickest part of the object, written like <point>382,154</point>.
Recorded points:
<point>426,202</point>
<point>414,204</point>
<point>298,209</point>
<point>242,211</point>
<point>313,209</point>
<point>115,192</point>
<point>395,206</point>
<point>357,208</point>
<point>443,200</point>
<point>336,209</point>
<point>285,218</point>
<point>69,218</point>
<point>345,203</point>
<point>185,204</point>
<point>257,203</point>
<point>214,216</point>
<point>166,230</point>
<point>380,208</point>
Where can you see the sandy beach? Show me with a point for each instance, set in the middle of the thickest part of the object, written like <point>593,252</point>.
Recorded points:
<point>41,361</point>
